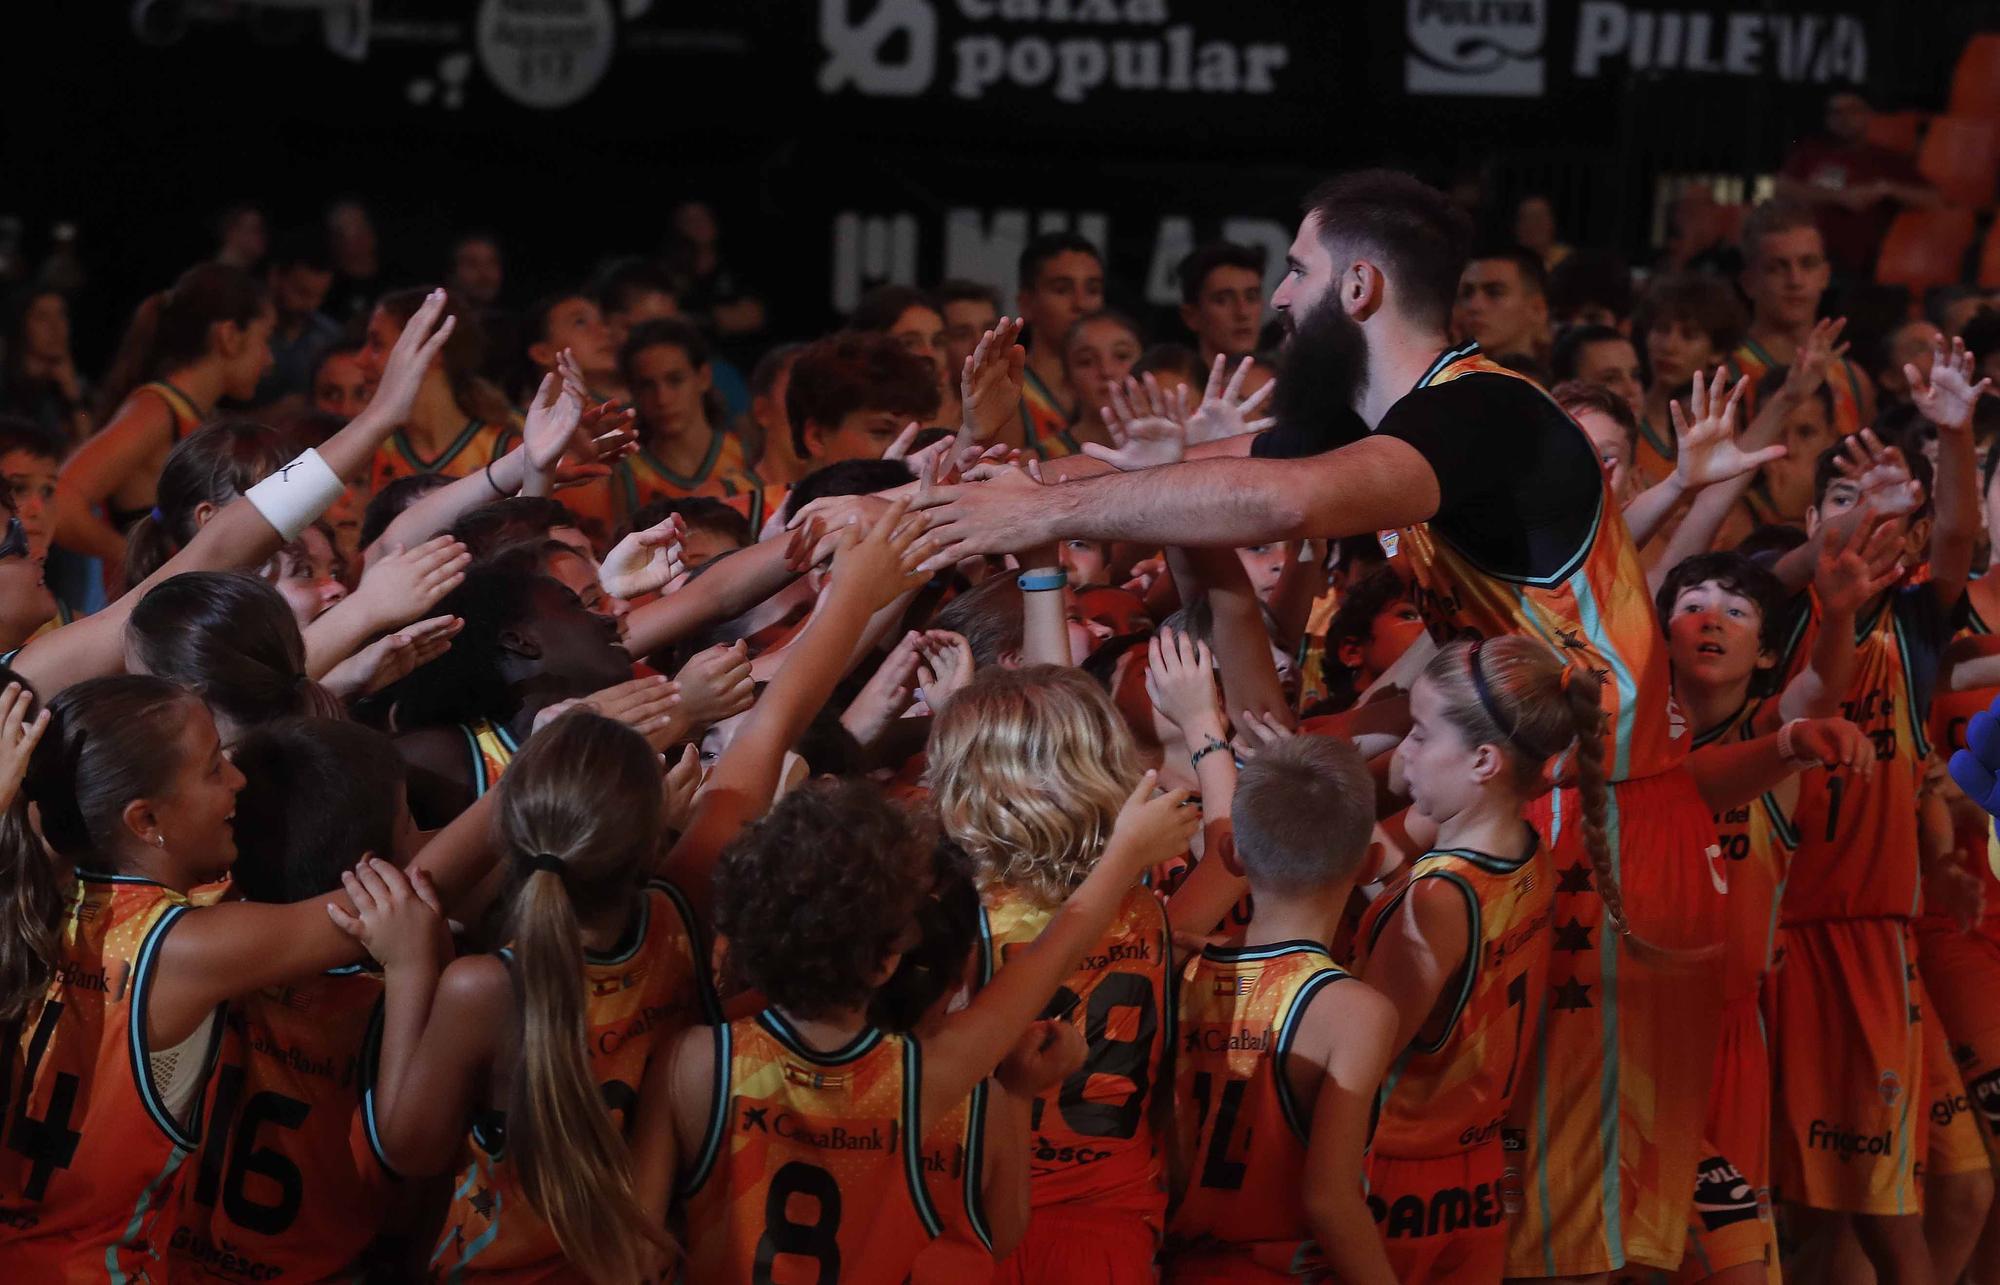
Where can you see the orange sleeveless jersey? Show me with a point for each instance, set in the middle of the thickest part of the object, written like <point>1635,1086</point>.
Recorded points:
<point>640,478</point>
<point>1950,712</point>
<point>490,747</point>
<point>477,445</point>
<point>186,416</point>
<point>953,1163</point>
<point>1093,1137</point>
<point>640,997</point>
<point>1594,611</point>
<point>1044,421</point>
<point>1239,1138</point>
<point>287,1183</point>
<point>92,1157</point>
<point>1757,841</point>
<point>1857,851</point>
<point>1450,1095</point>
<point>807,1172</point>
<point>1751,362</point>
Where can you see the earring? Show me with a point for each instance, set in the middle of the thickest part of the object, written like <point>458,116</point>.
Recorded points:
<point>159,840</point>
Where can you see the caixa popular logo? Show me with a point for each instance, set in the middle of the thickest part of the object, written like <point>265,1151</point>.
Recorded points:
<point>1491,47</point>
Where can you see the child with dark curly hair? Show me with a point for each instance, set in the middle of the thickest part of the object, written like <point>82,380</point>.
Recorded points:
<point>790,1131</point>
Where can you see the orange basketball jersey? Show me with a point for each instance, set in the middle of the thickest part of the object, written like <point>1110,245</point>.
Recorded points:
<point>1594,611</point>
<point>477,445</point>
<point>1756,840</point>
<point>1450,1094</point>
<point>92,1156</point>
<point>807,1172</point>
<point>1239,1138</point>
<point>288,1184</point>
<point>1857,851</point>
<point>953,1163</point>
<point>1093,1137</point>
<point>490,748</point>
<point>1044,420</point>
<point>640,996</point>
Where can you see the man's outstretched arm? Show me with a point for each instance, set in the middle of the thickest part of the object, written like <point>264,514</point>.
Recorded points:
<point>1371,485</point>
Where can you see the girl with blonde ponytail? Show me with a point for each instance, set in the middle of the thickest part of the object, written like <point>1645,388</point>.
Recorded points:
<point>524,1066</point>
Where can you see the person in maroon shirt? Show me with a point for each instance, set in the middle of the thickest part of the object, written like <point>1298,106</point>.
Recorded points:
<point>1854,187</point>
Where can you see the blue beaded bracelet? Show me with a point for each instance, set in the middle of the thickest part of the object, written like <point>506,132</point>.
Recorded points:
<point>1038,581</point>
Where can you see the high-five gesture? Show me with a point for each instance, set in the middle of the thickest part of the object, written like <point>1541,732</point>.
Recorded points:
<point>1707,434</point>
<point>1855,564</point>
<point>990,384</point>
<point>1948,396</point>
<point>424,336</point>
<point>550,426</point>
<point>1224,410</point>
<point>1148,426</point>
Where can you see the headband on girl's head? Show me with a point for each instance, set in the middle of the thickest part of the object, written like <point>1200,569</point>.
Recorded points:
<point>1508,731</point>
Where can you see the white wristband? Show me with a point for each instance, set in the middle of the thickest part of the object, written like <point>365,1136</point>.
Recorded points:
<point>1787,751</point>
<point>292,498</point>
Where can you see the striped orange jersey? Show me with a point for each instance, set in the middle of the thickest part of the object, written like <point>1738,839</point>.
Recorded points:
<point>1449,1094</point>
<point>93,1156</point>
<point>1093,1136</point>
<point>1756,841</point>
<point>1044,420</point>
<point>1655,452</point>
<point>1843,380</point>
<point>491,748</point>
<point>953,1164</point>
<point>640,478</point>
<point>185,414</point>
<point>1950,712</point>
<point>1593,610</point>
<point>1239,1137</point>
<point>807,1172</point>
<point>1857,853</point>
<point>641,995</point>
<point>288,1184</point>
<point>477,445</point>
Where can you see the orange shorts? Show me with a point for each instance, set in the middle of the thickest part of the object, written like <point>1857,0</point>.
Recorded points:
<point>952,1260</point>
<point>1069,1245</point>
<point>1443,1219</point>
<point>1731,1224</point>
<point>1606,1126</point>
<point>1847,1056</point>
<point>1956,1143</point>
<point>1962,973</point>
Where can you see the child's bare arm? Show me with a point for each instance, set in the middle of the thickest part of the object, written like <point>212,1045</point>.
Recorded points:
<point>1353,1033</point>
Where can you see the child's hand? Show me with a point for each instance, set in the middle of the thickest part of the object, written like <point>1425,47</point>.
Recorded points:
<point>19,735</point>
<point>1853,567</point>
<point>886,694</point>
<point>879,563</point>
<point>397,917</point>
<point>678,789</point>
<point>1048,1052</point>
<point>401,585</point>
<point>644,561</point>
<point>1149,830</point>
<point>1880,473</point>
<point>1834,743</point>
<point>715,684</point>
<point>946,666</point>
<point>649,706</point>
<point>1953,890</point>
<point>1180,679</point>
<point>1948,396</point>
<point>1258,731</point>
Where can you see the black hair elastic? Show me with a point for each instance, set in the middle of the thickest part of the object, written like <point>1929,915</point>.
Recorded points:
<point>1508,730</point>
<point>531,863</point>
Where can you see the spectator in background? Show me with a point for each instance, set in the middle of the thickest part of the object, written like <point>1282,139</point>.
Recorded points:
<point>357,263</point>
<point>1853,187</point>
<point>240,236</point>
<point>765,430</point>
<point>705,285</point>
<point>1685,322</point>
<point>969,311</point>
<point>1612,431</point>
<point>632,292</point>
<point>1698,236</point>
<point>300,274</point>
<point>850,394</point>
<point>40,382</point>
<point>1099,354</point>
<point>1591,287</point>
<point>1173,366</point>
<point>475,270</point>
<point>1062,282</point>
<point>912,318</point>
<point>1535,229</point>
<point>1600,355</point>
<point>1950,307</point>
<point>1913,344</point>
<point>340,384</point>
<point>571,319</point>
<point>1785,274</point>
<point>1222,300</point>
<point>1503,303</point>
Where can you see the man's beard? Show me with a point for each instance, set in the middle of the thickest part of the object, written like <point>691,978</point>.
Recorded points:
<point>1324,375</point>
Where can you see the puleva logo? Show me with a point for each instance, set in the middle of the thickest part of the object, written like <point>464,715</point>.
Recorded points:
<point>1489,47</point>
<point>855,50</point>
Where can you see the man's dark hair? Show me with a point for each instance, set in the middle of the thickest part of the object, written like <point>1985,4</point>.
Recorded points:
<point>959,290</point>
<point>301,248</point>
<point>1590,277</point>
<point>1194,269</point>
<point>623,283</point>
<point>387,504</point>
<point>847,372</point>
<point>1733,572</point>
<point>316,793</point>
<point>883,306</point>
<point>1568,352</point>
<point>849,477</point>
<point>672,332</point>
<point>697,513</point>
<point>537,316</point>
<point>1047,246</point>
<point>519,519</point>
<point>1701,302</point>
<point>1419,235</point>
<point>1769,218</point>
<point>1533,271</point>
<point>31,437</point>
<point>1170,358</point>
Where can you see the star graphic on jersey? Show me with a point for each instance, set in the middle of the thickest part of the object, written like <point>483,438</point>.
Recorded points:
<point>1916,1016</point>
<point>753,1117</point>
<point>1573,936</point>
<point>1572,995</point>
<point>483,1202</point>
<point>1962,1054</point>
<point>1573,878</point>
<point>1191,1040</point>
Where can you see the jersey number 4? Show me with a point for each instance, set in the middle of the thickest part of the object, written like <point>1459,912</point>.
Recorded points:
<point>49,1142</point>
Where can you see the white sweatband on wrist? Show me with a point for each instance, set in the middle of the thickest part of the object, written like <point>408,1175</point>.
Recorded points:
<point>292,498</point>
<point>1787,751</point>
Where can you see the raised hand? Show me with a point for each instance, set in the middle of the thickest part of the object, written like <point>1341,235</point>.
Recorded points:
<point>1855,564</point>
<point>1708,451</point>
<point>392,657</point>
<point>1151,829</point>
<point>881,563</point>
<point>1148,426</point>
<point>1820,350</point>
<point>644,561</point>
<point>715,684</point>
<point>1224,411</point>
<point>900,448</point>
<point>403,584</point>
<point>424,335</point>
<point>886,694</point>
<point>1880,474</point>
<point>649,706</point>
<point>990,383</point>
<point>1180,679</point>
<point>946,666</point>
<point>550,426</point>
<point>396,916</point>
<point>19,734</point>
<point>677,789</point>
<point>1948,396</point>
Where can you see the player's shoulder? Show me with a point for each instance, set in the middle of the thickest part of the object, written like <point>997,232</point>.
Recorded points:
<point>1343,1012</point>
